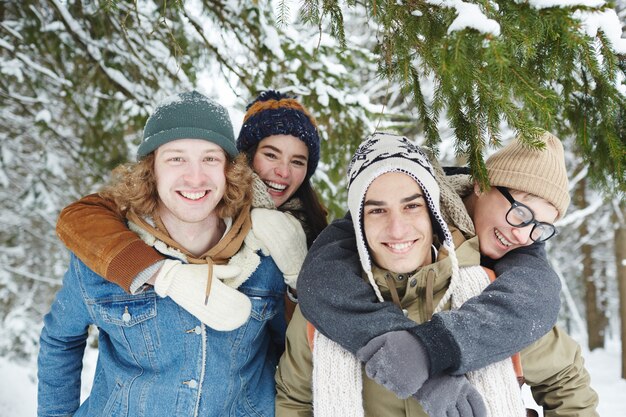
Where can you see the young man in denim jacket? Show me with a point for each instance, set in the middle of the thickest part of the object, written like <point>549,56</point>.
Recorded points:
<point>189,197</point>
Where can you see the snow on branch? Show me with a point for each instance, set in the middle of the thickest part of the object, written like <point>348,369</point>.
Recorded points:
<point>26,60</point>
<point>131,88</point>
<point>469,16</point>
<point>30,275</point>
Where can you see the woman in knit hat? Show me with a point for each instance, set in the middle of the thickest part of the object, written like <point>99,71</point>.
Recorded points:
<point>513,219</point>
<point>281,140</point>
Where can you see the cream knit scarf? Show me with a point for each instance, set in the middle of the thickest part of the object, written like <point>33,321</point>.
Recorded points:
<point>337,375</point>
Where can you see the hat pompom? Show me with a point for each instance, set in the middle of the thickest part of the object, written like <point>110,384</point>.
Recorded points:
<point>268,95</point>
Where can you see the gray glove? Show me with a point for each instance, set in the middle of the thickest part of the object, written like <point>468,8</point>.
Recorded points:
<point>397,361</point>
<point>451,396</point>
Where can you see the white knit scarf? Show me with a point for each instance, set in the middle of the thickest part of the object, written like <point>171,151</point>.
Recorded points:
<point>337,375</point>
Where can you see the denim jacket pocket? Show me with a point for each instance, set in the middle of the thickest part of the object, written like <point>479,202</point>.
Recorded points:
<point>263,307</point>
<point>115,401</point>
<point>127,310</point>
<point>130,322</point>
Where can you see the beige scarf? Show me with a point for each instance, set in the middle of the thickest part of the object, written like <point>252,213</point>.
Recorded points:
<point>335,370</point>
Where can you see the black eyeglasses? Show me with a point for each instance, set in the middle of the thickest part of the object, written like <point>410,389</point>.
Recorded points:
<point>520,215</point>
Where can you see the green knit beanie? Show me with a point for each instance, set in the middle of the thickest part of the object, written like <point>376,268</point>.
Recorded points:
<point>188,115</point>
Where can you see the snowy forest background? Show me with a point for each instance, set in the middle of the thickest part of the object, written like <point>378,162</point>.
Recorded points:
<point>78,79</point>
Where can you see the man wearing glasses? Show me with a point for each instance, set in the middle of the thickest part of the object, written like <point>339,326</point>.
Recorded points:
<point>529,193</point>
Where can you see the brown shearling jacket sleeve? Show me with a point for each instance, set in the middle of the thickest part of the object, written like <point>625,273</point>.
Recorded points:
<point>95,230</point>
<point>555,371</point>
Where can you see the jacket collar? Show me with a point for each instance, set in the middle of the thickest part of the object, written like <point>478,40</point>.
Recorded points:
<point>156,236</point>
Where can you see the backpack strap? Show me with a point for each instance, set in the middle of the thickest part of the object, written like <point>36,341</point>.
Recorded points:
<point>310,334</point>
<point>517,362</point>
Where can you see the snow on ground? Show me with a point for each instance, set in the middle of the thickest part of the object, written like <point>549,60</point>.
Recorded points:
<point>18,386</point>
<point>605,367</point>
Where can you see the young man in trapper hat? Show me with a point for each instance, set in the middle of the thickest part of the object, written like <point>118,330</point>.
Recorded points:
<point>393,198</point>
<point>188,196</point>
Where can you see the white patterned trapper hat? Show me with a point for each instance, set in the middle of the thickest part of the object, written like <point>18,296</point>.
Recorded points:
<point>379,154</point>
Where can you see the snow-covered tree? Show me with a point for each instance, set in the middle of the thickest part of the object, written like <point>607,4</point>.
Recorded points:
<point>76,82</point>
<point>78,79</point>
<point>556,65</point>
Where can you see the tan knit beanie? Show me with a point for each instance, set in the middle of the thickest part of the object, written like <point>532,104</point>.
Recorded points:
<point>539,172</point>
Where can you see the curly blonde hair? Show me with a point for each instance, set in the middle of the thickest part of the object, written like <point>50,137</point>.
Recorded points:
<point>133,187</point>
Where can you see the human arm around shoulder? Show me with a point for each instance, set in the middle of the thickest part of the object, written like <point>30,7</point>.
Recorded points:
<point>341,305</point>
<point>294,395</point>
<point>95,230</point>
<point>61,348</point>
<point>555,371</point>
<point>490,327</point>
<point>334,297</point>
<point>515,310</point>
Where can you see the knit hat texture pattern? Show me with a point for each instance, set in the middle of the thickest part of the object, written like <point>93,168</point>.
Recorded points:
<point>188,115</point>
<point>540,172</point>
<point>274,113</point>
<point>382,153</point>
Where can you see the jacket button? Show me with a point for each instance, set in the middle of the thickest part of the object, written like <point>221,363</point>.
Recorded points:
<point>126,316</point>
<point>192,383</point>
<point>196,330</point>
<point>400,277</point>
<point>413,282</point>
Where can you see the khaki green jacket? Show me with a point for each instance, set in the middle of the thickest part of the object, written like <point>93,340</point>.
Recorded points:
<point>555,371</point>
<point>552,365</point>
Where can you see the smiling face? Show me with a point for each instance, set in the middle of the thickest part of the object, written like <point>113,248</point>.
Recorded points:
<point>495,235</point>
<point>396,222</point>
<point>281,162</point>
<point>190,180</point>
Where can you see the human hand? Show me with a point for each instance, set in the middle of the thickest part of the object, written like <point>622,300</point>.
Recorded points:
<point>397,361</point>
<point>284,238</point>
<point>451,396</point>
<point>225,309</point>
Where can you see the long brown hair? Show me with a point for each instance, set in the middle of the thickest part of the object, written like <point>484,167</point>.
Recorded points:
<point>314,211</point>
<point>133,187</point>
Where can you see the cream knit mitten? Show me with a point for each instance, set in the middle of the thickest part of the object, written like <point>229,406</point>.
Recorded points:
<point>226,309</point>
<point>284,238</point>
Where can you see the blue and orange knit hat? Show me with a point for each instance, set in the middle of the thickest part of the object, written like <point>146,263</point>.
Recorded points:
<point>274,113</point>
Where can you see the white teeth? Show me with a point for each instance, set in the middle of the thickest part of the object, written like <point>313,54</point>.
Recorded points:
<point>275,185</point>
<point>502,239</point>
<point>399,246</point>
<point>193,196</point>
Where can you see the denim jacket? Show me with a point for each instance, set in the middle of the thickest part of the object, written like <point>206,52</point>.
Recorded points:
<point>155,359</point>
